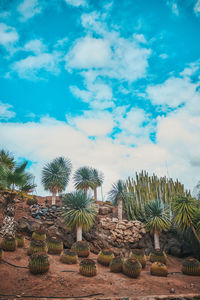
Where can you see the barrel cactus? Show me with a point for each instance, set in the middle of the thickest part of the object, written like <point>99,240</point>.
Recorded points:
<point>20,240</point>
<point>69,257</point>
<point>158,256</point>
<point>37,246</point>
<point>139,255</point>
<point>191,266</point>
<point>54,245</point>
<point>39,235</point>
<point>159,269</point>
<point>38,263</point>
<point>9,243</point>
<point>116,265</point>
<point>81,248</point>
<point>88,267</point>
<point>105,257</point>
<point>132,267</point>
<point>1,253</point>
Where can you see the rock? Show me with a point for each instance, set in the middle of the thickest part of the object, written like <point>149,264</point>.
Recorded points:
<point>175,251</point>
<point>172,291</point>
<point>105,210</point>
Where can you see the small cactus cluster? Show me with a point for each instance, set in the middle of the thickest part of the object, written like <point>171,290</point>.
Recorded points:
<point>159,269</point>
<point>158,256</point>
<point>39,235</point>
<point>9,243</point>
<point>69,257</point>
<point>37,246</point>
<point>105,257</point>
<point>20,240</point>
<point>88,267</point>
<point>132,267</point>
<point>1,253</point>
<point>38,263</point>
<point>191,266</point>
<point>54,245</point>
<point>81,248</point>
<point>116,265</point>
<point>139,255</point>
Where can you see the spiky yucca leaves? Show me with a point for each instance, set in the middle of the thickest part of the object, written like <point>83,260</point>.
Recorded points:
<point>191,266</point>
<point>20,240</point>
<point>140,255</point>
<point>116,265</point>
<point>1,253</point>
<point>9,243</point>
<point>105,257</point>
<point>39,235</point>
<point>159,269</point>
<point>37,246</point>
<point>81,248</point>
<point>97,179</point>
<point>38,263</point>
<point>83,179</point>
<point>117,196</point>
<point>132,267</point>
<point>88,267</point>
<point>157,255</point>
<point>54,245</point>
<point>69,257</point>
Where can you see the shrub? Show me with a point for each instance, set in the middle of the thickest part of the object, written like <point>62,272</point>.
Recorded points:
<point>37,246</point>
<point>81,248</point>
<point>116,265</point>
<point>158,256</point>
<point>54,245</point>
<point>159,269</point>
<point>105,257</point>
<point>69,257</point>
<point>38,263</point>
<point>140,255</point>
<point>191,266</point>
<point>9,243</point>
<point>132,267</point>
<point>20,240</point>
<point>88,267</point>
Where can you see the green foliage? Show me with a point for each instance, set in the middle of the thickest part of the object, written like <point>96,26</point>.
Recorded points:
<point>9,243</point>
<point>132,267</point>
<point>105,257</point>
<point>38,263</point>
<point>37,247</point>
<point>97,177</point>
<point>159,269</point>
<point>54,245</point>
<point>81,248</point>
<point>157,255</point>
<point>116,265</point>
<point>139,255</point>
<point>84,179</point>
<point>20,240</point>
<point>117,192</point>
<point>191,266</point>
<point>69,257</point>
<point>88,267</point>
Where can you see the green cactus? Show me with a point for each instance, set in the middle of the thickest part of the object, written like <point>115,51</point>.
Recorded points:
<point>105,257</point>
<point>157,255</point>
<point>140,255</point>
<point>1,254</point>
<point>54,245</point>
<point>9,243</point>
<point>37,246</point>
<point>81,248</point>
<point>39,235</point>
<point>20,240</point>
<point>116,265</point>
<point>88,267</point>
<point>38,263</point>
<point>132,267</point>
<point>191,266</point>
<point>69,257</point>
<point>159,269</point>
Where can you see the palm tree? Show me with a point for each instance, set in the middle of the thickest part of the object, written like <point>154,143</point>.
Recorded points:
<point>157,219</point>
<point>79,212</point>
<point>7,159</point>
<point>83,179</point>
<point>97,179</point>
<point>55,176</point>
<point>117,195</point>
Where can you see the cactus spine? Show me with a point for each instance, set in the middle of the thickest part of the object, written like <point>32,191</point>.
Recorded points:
<point>37,246</point>
<point>157,255</point>
<point>39,235</point>
<point>132,267</point>
<point>54,245</point>
<point>69,257</point>
<point>9,243</point>
<point>105,257</point>
<point>38,263</point>
<point>140,255</point>
<point>20,240</point>
<point>81,248</point>
<point>116,265</point>
<point>88,267</point>
<point>159,269</point>
<point>191,266</point>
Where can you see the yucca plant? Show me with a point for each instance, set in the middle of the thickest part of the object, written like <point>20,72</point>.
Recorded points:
<point>81,248</point>
<point>1,254</point>
<point>38,263</point>
<point>140,255</point>
<point>132,267</point>
<point>159,269</point>
<point>9,243</point>
<point>105,257</point>
<point>117,196</point>
<point>191,266</point>
<point>83,179</point>
<point>88,267</point>
<point>157,255</point>
<point>39,235</point>
<point>54,245</point>
<point>116,265</point>
<point>37,246</point>
<point>69,257</point>
<point>20,240</point>
<point>97,180</point>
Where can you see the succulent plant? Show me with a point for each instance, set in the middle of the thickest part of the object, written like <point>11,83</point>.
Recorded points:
<point>88,267</point>
<point>1,253</point>
<point>116,265</point>
<point>20,240</point>
<point>54,245</point>
<point>140,255</point>
<point>81,248</point>
<point>9,243</point>
<point>132,267</point>
<point>159,269</point>
<point>69,257</point>
<point>105,257</point>
<point>191,266</point>
<point>158,255</point>
<point>39,235</point>
<point>37,246</point>
<point>38,263</point>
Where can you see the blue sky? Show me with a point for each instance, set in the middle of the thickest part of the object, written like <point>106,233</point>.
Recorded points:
<point>109,84</point>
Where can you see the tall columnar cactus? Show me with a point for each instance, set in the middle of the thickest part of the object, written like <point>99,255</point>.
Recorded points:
<point>132,267</point>
<point>105,257</point>
<point>157,255</point>
<point>116,265</point>
<point>68,257</point>
<point>39,235</point>
<point>140,255</point>
<point>88,267</point>
<point>37,246</point>
<point>1,254</point>
<point>9,243</point>
<point>54,245</point>
<point>191,266</point>
<point>20,240</point>
<point>38,263</point>
<point>159,269</point>
<point>81,248</point>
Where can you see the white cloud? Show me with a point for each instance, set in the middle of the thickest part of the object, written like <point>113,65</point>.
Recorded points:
<point>140,38</point>
<point>8,36</point>
<point>35,46</point>
<point>6,112</point>
<point>77,3</point>
<point>197,8</point>
<point>163,55</point>
<point>174,7</point>
<point>29,8</point>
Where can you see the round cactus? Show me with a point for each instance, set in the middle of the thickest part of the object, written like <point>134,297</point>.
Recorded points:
<point>81,248</point>
<point>20,240</point>
<point>1,253</point>
<point>191,266</point>
<point>88,267</point>
<point>132,267</point>
<point>37,246</point>
<point>159,269</point>
<point>69,257</point>
<point>139,255</point>
<point>105,257</point>
<point>158,256</point>
<point>54,245</point>
<point>9,243</point>
<point>116,265</point>
<point>39,235</point>
<point>38,263</point>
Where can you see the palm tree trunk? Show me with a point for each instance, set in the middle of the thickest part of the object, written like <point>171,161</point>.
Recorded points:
<point>95,194</point>
<point>120,209</point>
<point>79,233</point>
<point>195,233</point>
<point>53,198</point>
<point>156,240</point>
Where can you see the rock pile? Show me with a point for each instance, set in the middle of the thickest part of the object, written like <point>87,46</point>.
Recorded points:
<point>42,212</point>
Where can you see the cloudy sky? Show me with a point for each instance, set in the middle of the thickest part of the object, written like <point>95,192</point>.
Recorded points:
<point>113,84</point>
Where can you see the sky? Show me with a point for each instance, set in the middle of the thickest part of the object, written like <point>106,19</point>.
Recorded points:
<point>112,84</point>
